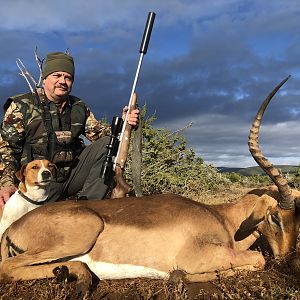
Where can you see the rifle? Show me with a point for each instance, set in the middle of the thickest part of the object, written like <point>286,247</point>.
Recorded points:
<point>118,146</point>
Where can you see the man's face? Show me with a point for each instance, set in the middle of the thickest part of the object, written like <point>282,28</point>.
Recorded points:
<point>58,86</point>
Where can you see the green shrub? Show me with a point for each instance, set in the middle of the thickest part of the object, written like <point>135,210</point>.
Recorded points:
<point>234,177</point>
<point>168,165</point>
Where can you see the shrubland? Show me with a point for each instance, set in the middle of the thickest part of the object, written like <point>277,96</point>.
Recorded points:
<point>169,165</point>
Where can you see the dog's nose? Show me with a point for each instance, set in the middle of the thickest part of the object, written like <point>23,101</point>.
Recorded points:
<point>46,174</point>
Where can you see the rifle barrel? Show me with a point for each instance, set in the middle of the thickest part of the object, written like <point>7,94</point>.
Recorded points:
<point>147,32</point>
<point>143,51</point>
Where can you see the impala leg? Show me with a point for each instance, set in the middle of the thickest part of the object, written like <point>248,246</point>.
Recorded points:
<point>13,269</point>
<point>48,247</point>
<point>213,261</point>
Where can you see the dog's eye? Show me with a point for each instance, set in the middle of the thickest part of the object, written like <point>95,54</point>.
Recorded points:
<point>35,167</point>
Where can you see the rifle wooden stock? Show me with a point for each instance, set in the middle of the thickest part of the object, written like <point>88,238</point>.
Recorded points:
<point>122,188</point>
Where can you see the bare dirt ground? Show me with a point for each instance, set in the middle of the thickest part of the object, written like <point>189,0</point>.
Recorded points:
<point>277,281</point>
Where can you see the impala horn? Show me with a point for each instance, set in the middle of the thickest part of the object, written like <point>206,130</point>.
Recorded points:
<point>286,201</point>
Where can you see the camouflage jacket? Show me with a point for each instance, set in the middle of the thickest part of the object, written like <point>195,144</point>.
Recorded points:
<point>21,113</point>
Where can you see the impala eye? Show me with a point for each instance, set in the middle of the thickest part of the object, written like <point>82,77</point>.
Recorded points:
<point>275,219</point>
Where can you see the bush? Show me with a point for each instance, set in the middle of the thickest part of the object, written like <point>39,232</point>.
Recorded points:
<point>248,181</point>
<point>168,165</point>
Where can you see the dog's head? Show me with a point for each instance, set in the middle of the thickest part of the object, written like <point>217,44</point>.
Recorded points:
<point>37,173</point>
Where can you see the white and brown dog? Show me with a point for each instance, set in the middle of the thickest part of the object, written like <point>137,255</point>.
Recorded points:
<point>32,191</point>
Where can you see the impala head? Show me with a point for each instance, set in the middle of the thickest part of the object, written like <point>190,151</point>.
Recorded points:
<point>281,228</point>
<point>279,221</point>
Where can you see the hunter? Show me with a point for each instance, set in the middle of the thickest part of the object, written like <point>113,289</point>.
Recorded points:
<point>49,123</point>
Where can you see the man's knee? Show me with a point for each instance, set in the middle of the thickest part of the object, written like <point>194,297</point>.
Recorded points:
<point>99,147</point>
<point>101,143</point>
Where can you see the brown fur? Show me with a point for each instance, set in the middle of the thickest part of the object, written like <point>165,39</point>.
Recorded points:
<point>28,172</point>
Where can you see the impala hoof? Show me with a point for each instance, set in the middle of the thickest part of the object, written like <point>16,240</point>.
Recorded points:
<point>61,273</point>
<point>177,276</point>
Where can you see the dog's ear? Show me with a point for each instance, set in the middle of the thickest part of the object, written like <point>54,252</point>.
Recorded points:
<point>54,170</point>
<point>20,173</point>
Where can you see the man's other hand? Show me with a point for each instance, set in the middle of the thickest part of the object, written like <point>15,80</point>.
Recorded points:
<point>5,193</point>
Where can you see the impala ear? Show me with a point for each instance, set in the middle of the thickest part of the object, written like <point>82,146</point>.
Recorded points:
<point>247,227</point>
<point>257,216</point>
<point>20,173</point>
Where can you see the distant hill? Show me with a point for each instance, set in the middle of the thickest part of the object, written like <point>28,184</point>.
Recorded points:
<point>257,170</point>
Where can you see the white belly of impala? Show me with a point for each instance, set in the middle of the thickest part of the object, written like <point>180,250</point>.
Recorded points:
<point>105,270</point>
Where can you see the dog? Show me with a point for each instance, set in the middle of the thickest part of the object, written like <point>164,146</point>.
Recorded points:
<point>32,191</point>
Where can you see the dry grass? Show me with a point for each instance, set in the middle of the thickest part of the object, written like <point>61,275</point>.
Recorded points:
<point>226,194</point>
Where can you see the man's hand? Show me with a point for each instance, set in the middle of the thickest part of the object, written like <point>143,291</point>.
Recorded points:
<point>5,193</point>
<point>133,116</point>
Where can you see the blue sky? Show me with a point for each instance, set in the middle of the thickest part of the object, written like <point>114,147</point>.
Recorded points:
<point>208,62</point>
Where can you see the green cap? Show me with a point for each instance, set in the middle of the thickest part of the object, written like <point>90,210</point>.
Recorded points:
<point>58,62</point>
